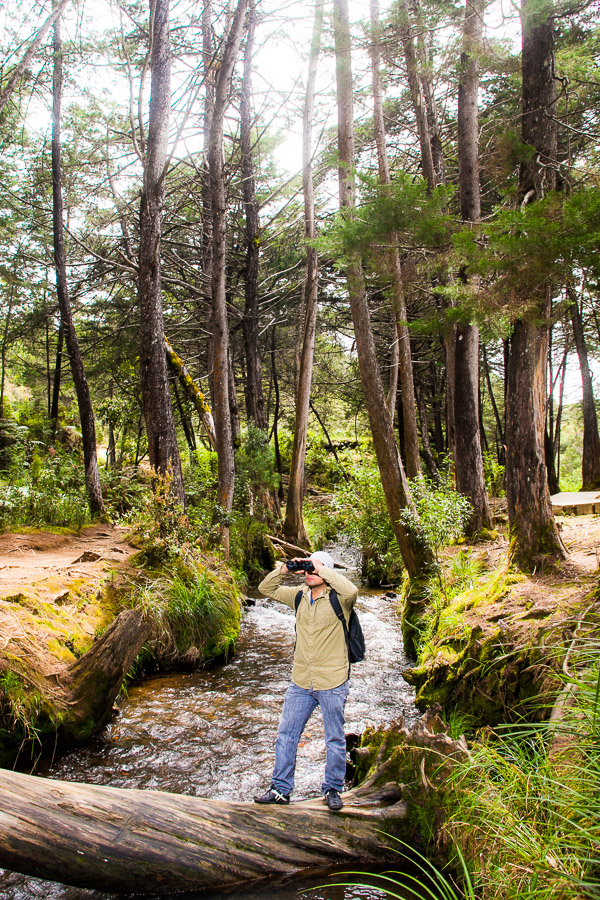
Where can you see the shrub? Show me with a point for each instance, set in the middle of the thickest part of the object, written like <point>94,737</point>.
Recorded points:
<point>439,515</point>
<point>194,615</point>
<point>362,514</point>
<point>43,488</point>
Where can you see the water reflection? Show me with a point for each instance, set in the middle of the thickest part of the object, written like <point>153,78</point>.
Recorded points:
<point>212,733</point>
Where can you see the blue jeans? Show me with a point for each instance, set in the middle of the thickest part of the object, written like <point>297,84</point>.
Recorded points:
<point>299,704</point>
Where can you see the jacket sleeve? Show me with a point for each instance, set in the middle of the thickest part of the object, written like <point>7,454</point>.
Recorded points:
<point>272,587</point>
<point>346,591</point>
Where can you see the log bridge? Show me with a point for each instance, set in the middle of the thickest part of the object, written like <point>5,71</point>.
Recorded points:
<point>122,840</point>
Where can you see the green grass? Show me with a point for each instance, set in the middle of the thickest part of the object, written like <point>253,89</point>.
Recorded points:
<point>192,612</point>
<point>528,800</point>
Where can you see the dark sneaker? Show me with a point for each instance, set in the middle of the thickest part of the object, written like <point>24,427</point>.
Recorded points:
<point>273,796</point>
<point>333,800</point>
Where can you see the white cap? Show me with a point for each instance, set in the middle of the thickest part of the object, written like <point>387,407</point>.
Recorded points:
<point>325,558</point>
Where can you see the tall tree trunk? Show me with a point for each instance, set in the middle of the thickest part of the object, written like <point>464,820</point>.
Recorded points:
<point>293,527</point>
<point>21,67</point>
<point>468,459</point>
<point>56,378</point>
<point>253,387</point>
<point>421,90</point>
<point>590,463</point>
<point>409,407</point>
<point>84,402</point>
<point>416,92</point>
<point>532,524</point>
<point>209,70</point>
<point>275,428</point>
<point>221,390</point>
<point>417,557</point>
<point>5,338</point>
<point>163,451</point>
<point>255,404</point>
<point>426,79</point>
<point>500,439</point>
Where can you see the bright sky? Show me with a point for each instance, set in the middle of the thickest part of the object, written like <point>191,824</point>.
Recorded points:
<point>281,59</point>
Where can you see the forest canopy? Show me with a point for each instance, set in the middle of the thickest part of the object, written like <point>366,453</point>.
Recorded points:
<point>248,248</point>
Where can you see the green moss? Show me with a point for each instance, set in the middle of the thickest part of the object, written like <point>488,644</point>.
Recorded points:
<point>61,651</point>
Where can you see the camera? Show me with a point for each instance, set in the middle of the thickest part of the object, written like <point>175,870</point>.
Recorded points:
<point>300,565</point>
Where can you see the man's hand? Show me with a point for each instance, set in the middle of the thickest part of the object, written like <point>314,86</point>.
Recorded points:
<point>317,563</point>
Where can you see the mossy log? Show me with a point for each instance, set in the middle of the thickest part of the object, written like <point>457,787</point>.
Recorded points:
<point>193,393</point>
<point>121,840</point>
<point>92,683</point>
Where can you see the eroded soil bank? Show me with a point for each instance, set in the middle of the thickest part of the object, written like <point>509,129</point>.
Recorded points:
<point>491,653</point>
<point>74,615</point>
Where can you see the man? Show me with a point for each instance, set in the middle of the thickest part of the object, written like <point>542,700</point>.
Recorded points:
<point>319,676</point>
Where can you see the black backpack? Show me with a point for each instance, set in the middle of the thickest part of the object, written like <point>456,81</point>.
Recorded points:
<point>355,639</point>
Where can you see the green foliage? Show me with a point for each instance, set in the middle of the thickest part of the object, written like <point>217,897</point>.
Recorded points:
<point>43,486</point>
<point>451,580</point>
<point>361,511</point>
<point>25,715</point>
<point>494,474</point>
<point>125,493</point>
<point>439,514</point>
<point>163,526</point>
<point>528,801</point>
<point>194,615</point>
<point>417,878</point>
<point>255,469</point>
<point>404,207</point>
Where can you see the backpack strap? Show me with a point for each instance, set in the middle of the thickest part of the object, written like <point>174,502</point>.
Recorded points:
<point>297,600</point>
<point>337,608</point>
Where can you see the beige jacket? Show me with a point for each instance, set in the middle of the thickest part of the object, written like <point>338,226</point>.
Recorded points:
<point>321,655</point>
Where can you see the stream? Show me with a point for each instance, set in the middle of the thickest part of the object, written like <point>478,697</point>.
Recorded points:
<point>211,733</point>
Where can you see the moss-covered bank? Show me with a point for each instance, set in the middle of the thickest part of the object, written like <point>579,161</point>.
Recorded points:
<point>60,595</point>
<point>487,650</point>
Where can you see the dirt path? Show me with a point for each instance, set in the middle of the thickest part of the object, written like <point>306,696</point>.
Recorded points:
<point>55,595</point>
<point>47,565</point>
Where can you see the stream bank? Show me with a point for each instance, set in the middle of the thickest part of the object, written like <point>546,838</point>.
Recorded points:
<point>211,732</point>
<point>77,610</point>
<point>488,650</point>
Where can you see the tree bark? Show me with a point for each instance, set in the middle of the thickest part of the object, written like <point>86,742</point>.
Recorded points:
<point>499,425</point>
<point>293,527</point>
<point>470,477</point>
<point>531,520</point>
<point>5,341</point>
<point>425,76</point>
<point>111,839</point>
<point>163,451</point>
<point>417,557</point>
<point>255,404</point>
<point>468,459</point>
<point>193,392</point>
<point>404,355</point>
<point>221,391</point>
<point>92,683</point>
<point>590,463</point>
<point>416,92</point>
<point>84,401</point>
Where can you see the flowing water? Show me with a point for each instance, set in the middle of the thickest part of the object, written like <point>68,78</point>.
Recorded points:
<point>211,733</point>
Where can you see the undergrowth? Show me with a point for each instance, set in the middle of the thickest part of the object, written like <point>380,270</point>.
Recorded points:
<point>194,614</point>
<point>528,799</point>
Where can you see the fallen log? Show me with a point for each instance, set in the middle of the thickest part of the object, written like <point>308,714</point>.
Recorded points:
<point>92,683</point>
<point>121,840</point>
<point>113,839</point>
